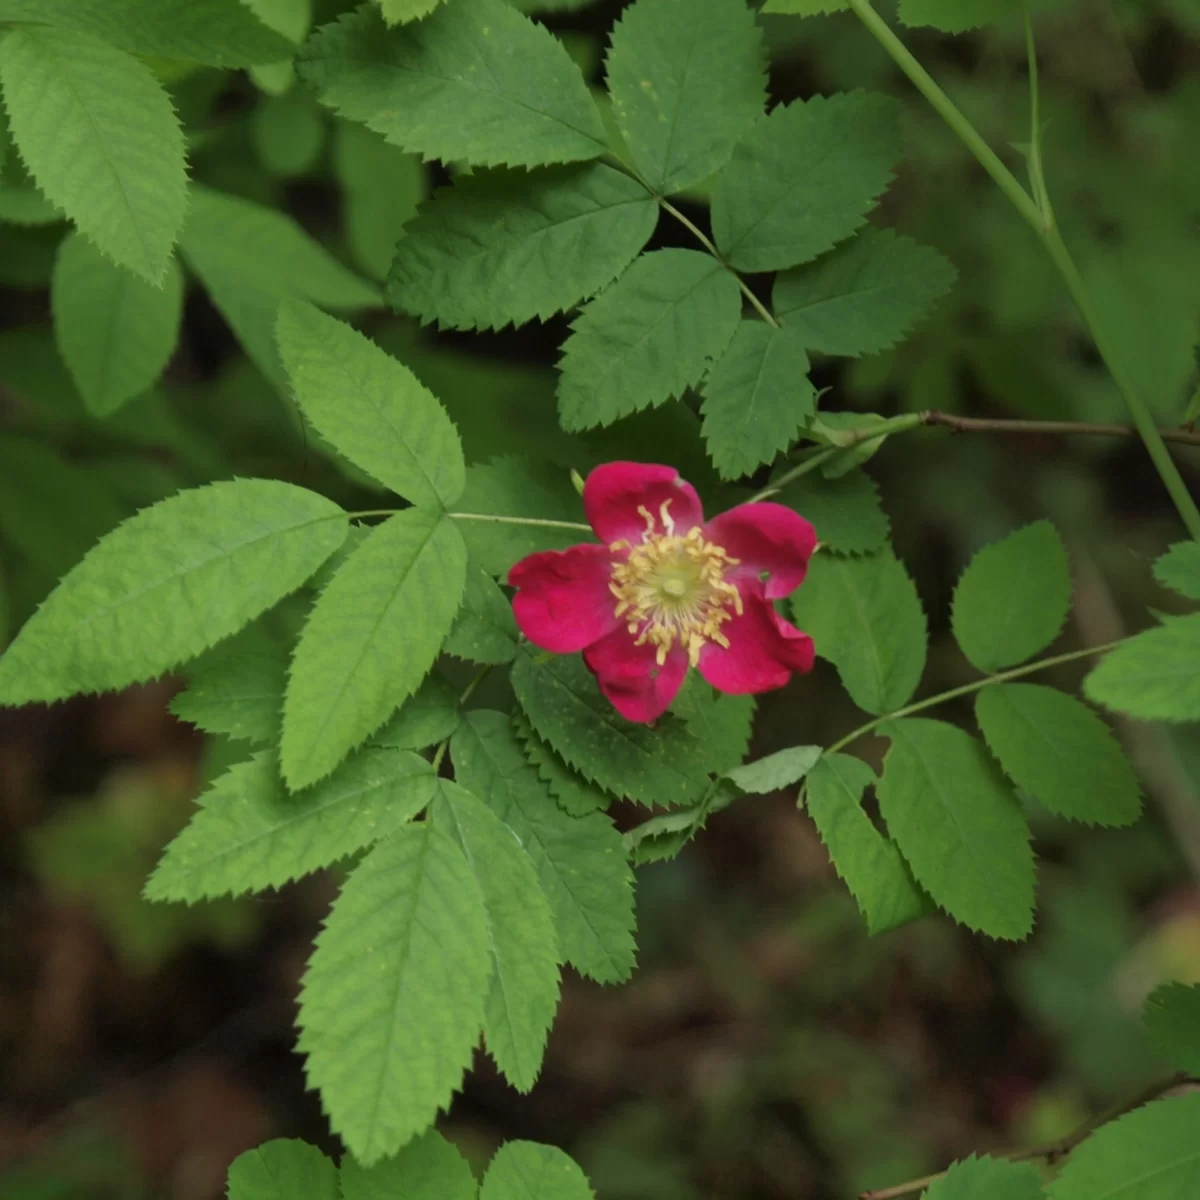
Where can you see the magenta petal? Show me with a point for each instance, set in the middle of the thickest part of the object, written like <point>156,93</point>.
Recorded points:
<point>630,677</point>
<point>766,537</point>
<point>614,492</point>
<point>563,603</point>
<point>764,649</point>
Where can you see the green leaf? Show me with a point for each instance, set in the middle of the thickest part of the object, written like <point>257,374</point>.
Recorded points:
<point>959,826</point>
<point>1172,1019</point>
<point>21,205</point>
<point>775,771</point>
<point>647,338</point>
<point>1154,676</point>
<point>1179,569</point>
<point>805,8</point>
<point>1013,598</point>
<point>845,511</point>
<point>504,247</point>
<point>686,79</point>
<point>250,834</point>
<point>1058,750</point>
<point>428,1168</point>
<point>288,133</point>
<point>371,638</point>
<point>282,1170</point>
<point>101,139</point>
<point>1148,1154</point>
<point>574,794</point>
<point>663,837</point>
<point>580,861</point>
<point>115,331</point>
<point>865,617</point>
<point>430,716</point>
<point>870,864</point>
<point>237,692</point>
<point>956,16</point>
<point>396,12</point>
<point>720,724</point>
<point>987,1178</point>
<point>486,630</point>
<point>804,178</point>
<point>657,766</point>
<point>757,398</point>
<point>393,999</point>
<point>529,1171</point>
<point>169,583</point>
<point>865,295</point>
<point>524,988</point>
<point>370,407</point>
<point>476,81</point>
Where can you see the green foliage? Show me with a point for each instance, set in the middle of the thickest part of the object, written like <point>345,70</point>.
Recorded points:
<point>720,724</point>
<point>281,1170</point>
<point>486,631</point>
<point>647,338</point>
<point>575,795</point>
<point>395,12</point>
<point>1179,569</point>
<point>475,81</point>
<point>428,1168</point>
<point>1172,1019</point>
<point>1154,676</point>
<point>775,771</point>
<point>370,407</point>
<point>507,246</point>
<point>1148,1154</point>
<point>169,583</point>
<point>528,1171</point>
<point>686,79</point>
<point>987,1178</point>
<point>865,617</point>
<point>115,331</point>
<point>524,987</point>
<point>757,398</point>
<point>393,998</point>
<point>1012,599</point>
<point>845,511</point>
<point>99,135</point>
<point>864,296</point>
<point>959,826</point>
<point>237,690</point>
<point>250,834</point>
<point>580,861</point>
<point>805,8</point>
<point>371,638</point>
<point>804,178</point>
<point>430,716</point>
<point>956,16</point>
<point>288,132</point>
<point>1058,750</point>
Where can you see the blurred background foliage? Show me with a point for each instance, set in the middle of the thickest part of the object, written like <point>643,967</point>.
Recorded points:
<point>766,1048</point>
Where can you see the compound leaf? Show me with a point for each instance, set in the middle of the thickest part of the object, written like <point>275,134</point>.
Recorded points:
<point>845,512</point>
<point>529,1171</point>
<point>985,1178</point>
<point>281,1170</point>
<point>428,1168</point>
<point>1172,1019</point>
<point>1154,676</point>
<point>1179,569</point>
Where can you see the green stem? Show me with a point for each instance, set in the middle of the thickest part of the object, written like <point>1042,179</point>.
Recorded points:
<point>502,520</point>
<point>1037,178</point>
<point>809,464</point>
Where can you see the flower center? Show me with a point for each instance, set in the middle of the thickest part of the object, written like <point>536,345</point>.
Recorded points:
<point>672,588</point>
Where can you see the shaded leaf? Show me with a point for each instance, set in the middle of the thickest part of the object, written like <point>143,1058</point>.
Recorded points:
<point>429,716</point>
<point>528,1171</point>
<point>845,512</point>
<point>1154,676</point>
<point>280,1170</point>
<point>486,630</point>
<point>775,771</point>
<point>1179,569</point>
<point>987,1178</point>
<point>237,692</point>
<point>1172,1019</point>
<point>574,794</point>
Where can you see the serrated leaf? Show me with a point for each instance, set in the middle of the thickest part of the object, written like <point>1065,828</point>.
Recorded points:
<point>281,1170</point>
<point>100,137</point>
<point>647,338</point>
<point>250,834</point>
<point>393,998</point>
<point>1172,1019</point>
<point>580,861</point>
<point>956,16</point>
<point>370,639</point>
<point>396,12</point>
<point>804,178</point>
<point>115,331</point>
<point>574,794</point>
<point>865,295</point>
<point>805,8</point>
<point>529,1171</point>
<point>757,398</point>
<point>719,723</point>
<point>476,81</point>
<point>486,630</point>
<point>428,1168</point>
<point>524,989</point>
<point>237,692</point>
<point>775,771</point>
<point>656,766</point>
<point>1013,598</point>
<point>1148,1154</point>
<point>167,584</point>
<point>865,617</point>
<point>959,826</point>
<point>987,1178</point>
<point>663,837</point>
<point>1058,750</point>
<point>1154,676</point>
<point>845,512</point>
<point>868,862</point>
<point>503,247</point>
<point>686,79</point>
<point>430,716</point>
<point>1179,569</point>
<point>369,407</point>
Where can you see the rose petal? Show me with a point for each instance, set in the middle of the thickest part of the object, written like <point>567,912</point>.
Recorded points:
<point>614,492</point>
<point>630,677</point>
<point>766,537</point>
<point>764,649</point>
<point>563,603</point>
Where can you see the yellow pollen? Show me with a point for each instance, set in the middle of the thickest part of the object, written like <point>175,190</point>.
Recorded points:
<point>672,589</point>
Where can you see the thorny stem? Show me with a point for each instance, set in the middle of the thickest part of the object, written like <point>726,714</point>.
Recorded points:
<point>959,424</point>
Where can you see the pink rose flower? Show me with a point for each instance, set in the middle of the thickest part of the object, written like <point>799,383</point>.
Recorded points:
<point>667,591</point>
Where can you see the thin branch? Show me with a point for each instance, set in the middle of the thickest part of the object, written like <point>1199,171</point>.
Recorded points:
<point>499,519</point>
<point>1185,437</point>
